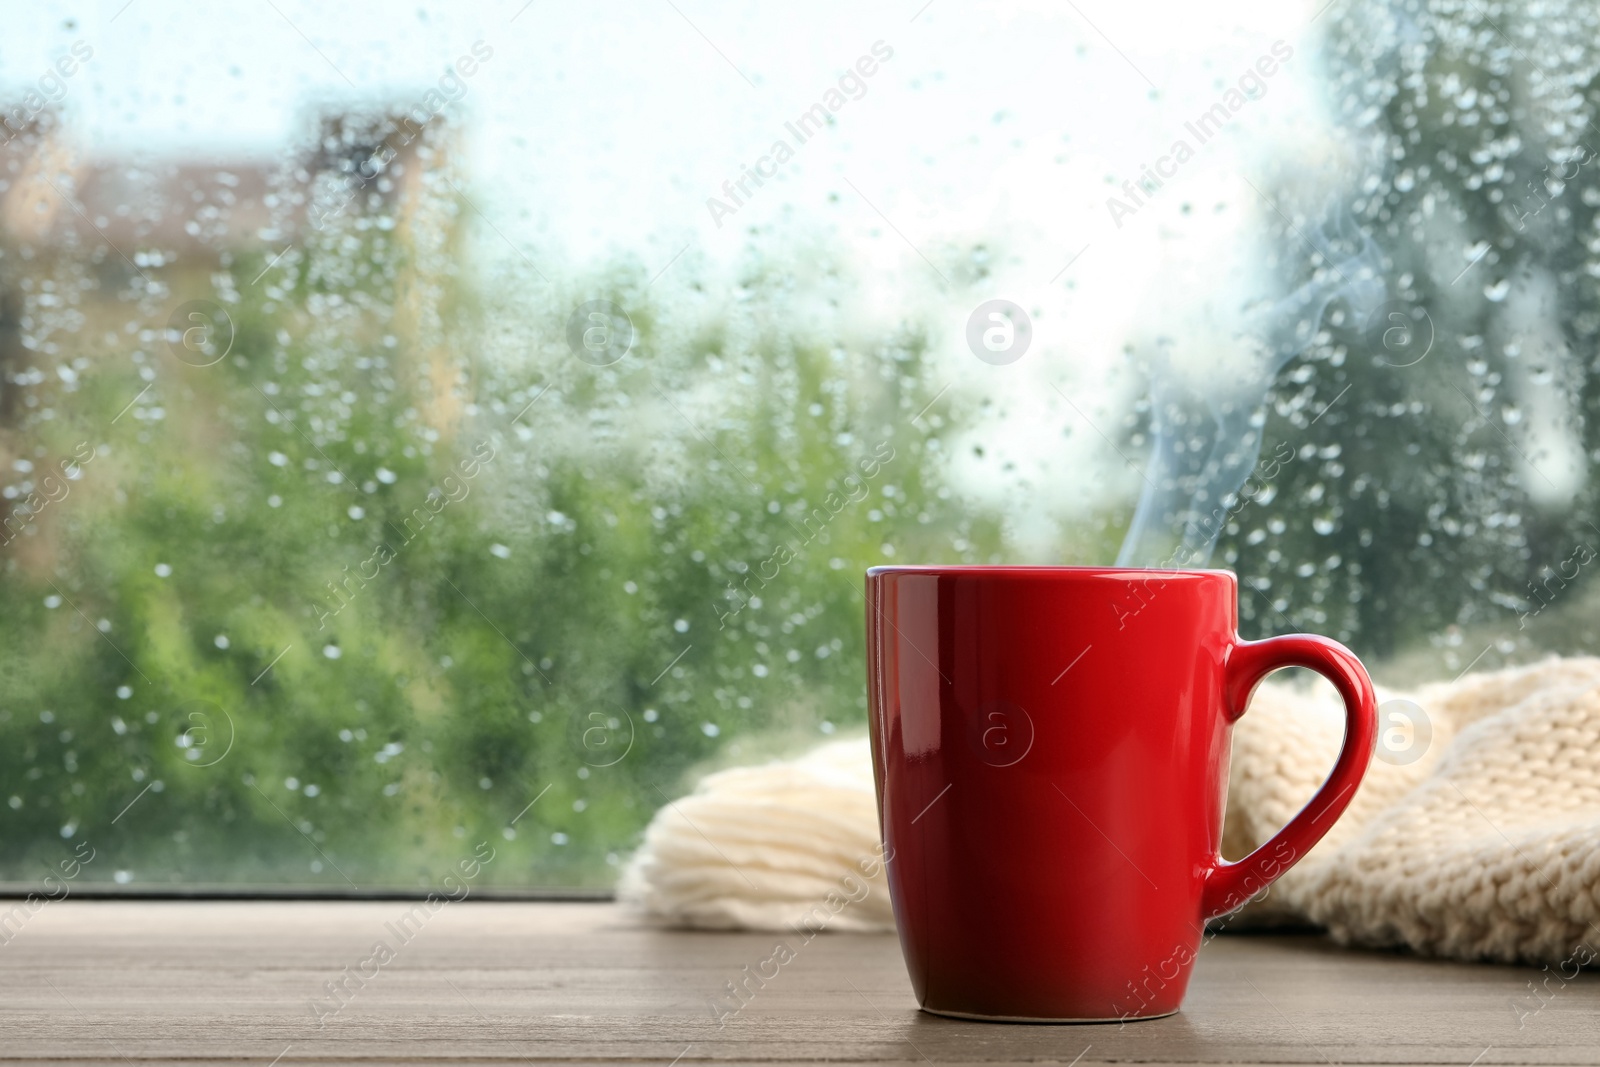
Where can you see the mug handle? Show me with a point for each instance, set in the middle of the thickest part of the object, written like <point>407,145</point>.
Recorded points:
<point>1228,886</point>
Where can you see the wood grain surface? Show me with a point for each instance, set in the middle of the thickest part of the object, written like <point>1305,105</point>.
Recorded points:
<point>475,982</point>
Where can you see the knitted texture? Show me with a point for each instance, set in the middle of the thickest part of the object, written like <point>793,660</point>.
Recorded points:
<point>768,848</point>
<point>1485,846</point>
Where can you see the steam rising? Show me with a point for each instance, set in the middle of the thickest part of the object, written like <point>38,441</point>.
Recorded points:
<point>1207,426</point>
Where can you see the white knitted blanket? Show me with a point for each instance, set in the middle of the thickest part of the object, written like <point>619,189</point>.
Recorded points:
<point>1487,846</point>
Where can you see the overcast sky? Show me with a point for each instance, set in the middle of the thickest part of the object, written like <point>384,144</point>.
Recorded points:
<point>596,129</point>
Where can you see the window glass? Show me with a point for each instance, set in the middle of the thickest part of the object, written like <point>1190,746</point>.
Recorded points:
<point>455,425</point>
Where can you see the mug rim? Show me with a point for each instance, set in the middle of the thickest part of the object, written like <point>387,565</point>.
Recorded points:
<point>1032,570</point>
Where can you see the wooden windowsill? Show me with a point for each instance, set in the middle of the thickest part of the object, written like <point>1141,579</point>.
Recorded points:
<point>237,981</point>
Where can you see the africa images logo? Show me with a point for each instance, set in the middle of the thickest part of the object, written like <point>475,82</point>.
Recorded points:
<point>811,122</point>
<point>1252,85</point>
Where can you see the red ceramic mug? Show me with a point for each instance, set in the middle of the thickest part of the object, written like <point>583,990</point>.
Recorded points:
<point>1051,752</point>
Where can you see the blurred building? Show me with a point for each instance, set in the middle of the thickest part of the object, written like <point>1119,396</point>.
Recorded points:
<point>126,239</point>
